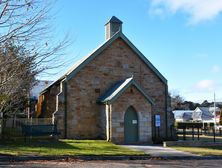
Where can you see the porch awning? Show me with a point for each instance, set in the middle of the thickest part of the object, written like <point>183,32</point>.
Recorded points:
<point>119,88</point>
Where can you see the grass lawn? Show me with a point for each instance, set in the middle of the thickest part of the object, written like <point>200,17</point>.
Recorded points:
<point>203,151</point>
<point>64,147</point>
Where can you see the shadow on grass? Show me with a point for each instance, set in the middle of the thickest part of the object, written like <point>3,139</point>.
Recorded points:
<point>64,147</point>
<point>34,147</point>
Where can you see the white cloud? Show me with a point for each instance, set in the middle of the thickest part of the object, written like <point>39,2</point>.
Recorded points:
<point>200,91</point>
<point>197,10</point>
<point>216,68</point>
<point>157,12</point>
<point>208,85</point>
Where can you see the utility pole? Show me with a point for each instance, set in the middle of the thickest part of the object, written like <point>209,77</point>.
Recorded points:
<point>214,111</point>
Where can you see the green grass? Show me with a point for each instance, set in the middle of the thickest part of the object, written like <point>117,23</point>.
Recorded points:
<point>64,147</point>
<point>203,151</point>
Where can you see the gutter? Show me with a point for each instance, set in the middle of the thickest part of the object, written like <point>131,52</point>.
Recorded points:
<point>108,122</point>
<point>65,108</point>
<point>166,109</point>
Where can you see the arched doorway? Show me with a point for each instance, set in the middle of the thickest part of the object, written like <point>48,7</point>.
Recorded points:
<point>131,123</point>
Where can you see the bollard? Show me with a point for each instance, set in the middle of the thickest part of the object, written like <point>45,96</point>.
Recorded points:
<point>171,131</point>
<point>184,134</point>
<point>214,134</point>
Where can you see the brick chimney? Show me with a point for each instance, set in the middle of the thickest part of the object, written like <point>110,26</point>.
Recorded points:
<point>112,26</point>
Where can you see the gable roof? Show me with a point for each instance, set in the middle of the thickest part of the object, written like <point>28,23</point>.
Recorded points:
<point>85,60</point>
<point>183,114</point>
<point>38,87</point>
<point>203,114</point>
<point>208,109</point>
<point>114,19</point>
<point>118,88</point>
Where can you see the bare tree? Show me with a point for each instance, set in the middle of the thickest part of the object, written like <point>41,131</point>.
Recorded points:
<point>17,77</point>
<point>27,47</point>
<point>28,24</point>
<point>176,101</point>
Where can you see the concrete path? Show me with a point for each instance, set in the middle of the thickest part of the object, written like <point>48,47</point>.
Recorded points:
<point>159,151</point>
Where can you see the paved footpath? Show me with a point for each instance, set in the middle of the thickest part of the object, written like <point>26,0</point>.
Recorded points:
<point>159,151</point>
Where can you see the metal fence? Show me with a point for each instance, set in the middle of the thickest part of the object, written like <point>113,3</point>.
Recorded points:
<point>1,122</point>
<point>0,127</point>
<point>199,132</point>
<point>11,127</point>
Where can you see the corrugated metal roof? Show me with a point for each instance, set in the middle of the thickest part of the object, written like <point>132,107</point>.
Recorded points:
<point>118,88</point>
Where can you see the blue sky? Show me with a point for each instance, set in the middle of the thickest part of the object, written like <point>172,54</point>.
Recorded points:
<point>183,39</point>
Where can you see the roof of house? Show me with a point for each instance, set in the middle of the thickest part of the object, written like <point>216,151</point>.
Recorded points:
<point>202,116</point>
<point>85,60</point>
<point>205,114</point>
<point>183,114</point>
<point>38,87</point>
<point>209,109</point>
<point>118,88</point>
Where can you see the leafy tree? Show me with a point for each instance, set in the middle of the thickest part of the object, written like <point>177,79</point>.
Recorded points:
<point>190,105</point>
<point>206,104</point>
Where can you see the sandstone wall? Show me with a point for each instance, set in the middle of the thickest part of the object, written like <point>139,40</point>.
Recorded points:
<point>115,63</point>
<point>131,97</point>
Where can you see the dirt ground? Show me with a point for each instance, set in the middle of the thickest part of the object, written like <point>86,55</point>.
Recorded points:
<point>115,164</point>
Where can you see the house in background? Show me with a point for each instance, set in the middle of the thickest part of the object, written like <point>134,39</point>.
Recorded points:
<point>40,85</point>
<point>183,115</point>
<point>114,93</point>
<point>38,88</point>
<point>206,114</point>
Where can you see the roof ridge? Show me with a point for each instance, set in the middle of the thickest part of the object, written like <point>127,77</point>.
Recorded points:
<point>86,59</point>
<point>114,19</point>
<point>118,88</point>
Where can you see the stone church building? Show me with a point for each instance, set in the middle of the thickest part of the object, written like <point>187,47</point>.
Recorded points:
<point>114,93</point>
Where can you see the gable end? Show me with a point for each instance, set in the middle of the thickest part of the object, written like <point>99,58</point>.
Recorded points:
<point>108,43</point>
